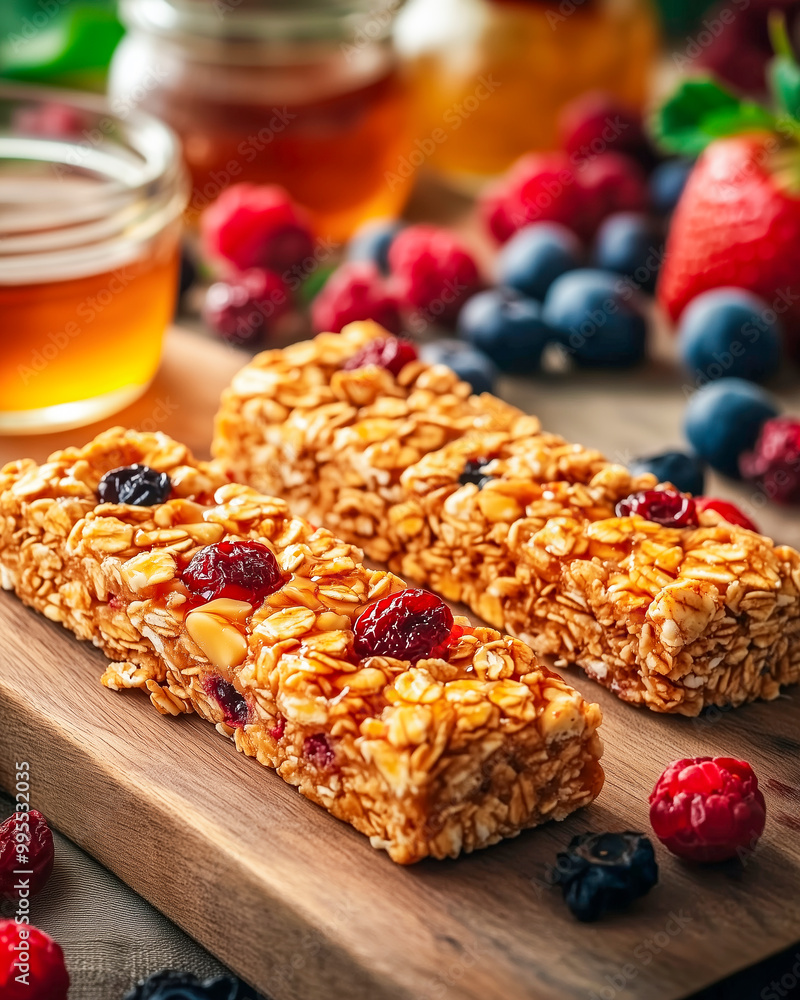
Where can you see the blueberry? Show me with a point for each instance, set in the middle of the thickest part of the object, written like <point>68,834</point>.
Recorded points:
<point>473,472</point>
<point>138,485</point>
<point>599,318</point>
<point>729,332</point>
<point>466,361</point>
<point>685,472</point>
<point>536,255</point>
<point>506,326</point>
<point>723,419</point>
<point>372,241</point>
<point>631,244</point>
<point>667,182</point>
<point>601,872</point>
<point>170,985</point>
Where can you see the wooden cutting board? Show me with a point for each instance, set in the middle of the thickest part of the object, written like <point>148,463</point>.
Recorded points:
<point>298,903</point>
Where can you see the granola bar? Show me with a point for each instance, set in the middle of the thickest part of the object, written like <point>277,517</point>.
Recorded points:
<point>428,758</point>
<point>674,619</point>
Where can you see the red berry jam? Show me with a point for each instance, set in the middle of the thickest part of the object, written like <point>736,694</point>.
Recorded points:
<point>25,843</point>
<point>708,808</point>
<point>233,705</point>
<point>242,571</point>
<point>666,507</point>
<point>319,751</point>
<point>391,353</point>
<point>729,511</point>
<point>411,625</point>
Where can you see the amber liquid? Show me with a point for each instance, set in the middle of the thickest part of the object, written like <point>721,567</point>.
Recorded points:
<point>532,58</point>
<point>333,155</point>
<point>83,340</point>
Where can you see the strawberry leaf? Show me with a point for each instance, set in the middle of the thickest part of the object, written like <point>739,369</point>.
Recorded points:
<point>699,111</point>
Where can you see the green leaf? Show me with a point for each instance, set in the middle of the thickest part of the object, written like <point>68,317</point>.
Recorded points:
<point>699,111</point>
<point>783,72</point>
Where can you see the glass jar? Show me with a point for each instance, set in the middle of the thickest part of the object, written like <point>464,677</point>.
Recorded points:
<point>89,255</point>
<point>307,94</point>
<point>490,76</point>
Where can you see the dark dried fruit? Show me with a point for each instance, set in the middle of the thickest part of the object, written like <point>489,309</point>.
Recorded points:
<point>137,485</point>
<point>410,625</point>
<point>242,571</point>
<point>666,507</point>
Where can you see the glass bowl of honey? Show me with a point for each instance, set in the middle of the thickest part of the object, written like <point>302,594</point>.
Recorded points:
<point>308,94</point>
<point>90,220</point>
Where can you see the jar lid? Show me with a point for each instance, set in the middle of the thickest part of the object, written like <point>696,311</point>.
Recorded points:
<point>264,21</point>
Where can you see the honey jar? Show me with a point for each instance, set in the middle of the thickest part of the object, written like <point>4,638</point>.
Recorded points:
<point>490,76</point>
<point>90,222</point>
<point>307,94</point>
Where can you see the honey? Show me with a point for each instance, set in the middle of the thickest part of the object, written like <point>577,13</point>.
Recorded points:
<point>322,113</point>
<point>492,75</point>
<point>90,218</point>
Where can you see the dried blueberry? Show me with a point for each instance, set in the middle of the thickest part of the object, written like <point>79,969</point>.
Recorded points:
<point>169,985</point>
<point>138,485</point>
<point>601,872</point>
<point>473,473</point>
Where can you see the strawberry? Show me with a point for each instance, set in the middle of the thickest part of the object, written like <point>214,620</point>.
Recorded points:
<point>736,224</point>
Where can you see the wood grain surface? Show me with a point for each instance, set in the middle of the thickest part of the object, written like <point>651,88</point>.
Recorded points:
<point>300,904</point>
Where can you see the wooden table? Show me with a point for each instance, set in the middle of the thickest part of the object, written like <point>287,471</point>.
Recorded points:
<point>300,904</point>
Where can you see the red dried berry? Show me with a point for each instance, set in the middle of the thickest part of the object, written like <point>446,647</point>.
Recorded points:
<point>244,308</point>
<point>26,843</point>
<point>726,510</point>
<point>233,705</point>
<point>666,507</point>
<point>355,291</point>
<point>253,225</point>
<point>774,463</point>
<point>708,808</point>
<point>391,353</point>
<point>242,571</point>
<point>47,977</point>
<point>319,751</point>
<point>410,625</point>
<point>433,270</point>
<point>539,187</point>
<point>611,183</point>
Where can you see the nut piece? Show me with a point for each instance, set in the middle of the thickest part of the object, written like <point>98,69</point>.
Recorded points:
<point>225,607</point>
<point>222,643</point>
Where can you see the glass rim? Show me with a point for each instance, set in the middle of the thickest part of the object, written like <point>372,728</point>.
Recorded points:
<point>130,165</point>
<point>263,22</point>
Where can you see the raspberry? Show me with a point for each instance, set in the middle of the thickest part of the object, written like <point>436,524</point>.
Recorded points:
<point>47,977</point>
<point>34,852</point>
<point>137,485</point>
<point>728,511</point>
<point>391,353</point>
<point>355,291</point>
<point>601,872</point>
<point>243,571</point>
<point>319,751</point>
<point>253,225</point>
<point>539,187</point>
<point>708,808</point>
<point>233,705</point>
<point>774,463</point>
<point>434,272</point>
<point>410,625</point>
<point>595,123</point>
<point>244,308</point>
<point>667,507</point>
<point>610,183</point>
<point>170,985</point>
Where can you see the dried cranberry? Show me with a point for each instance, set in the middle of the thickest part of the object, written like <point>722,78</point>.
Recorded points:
<point>391,353</point>
<point>242,571</point>
<point>666,507</point>
<point>473,473</point>
<point>411,625</point>
<point>233,705</point>
<point>245,308</point>
<point>708,808</point>
<point>277,731</point>
<point>726,510</point>
<point>137,485</point>
<point>47,977</point>
<point>774,463</point>
<point>318,750</point>
<point>25,843</point>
